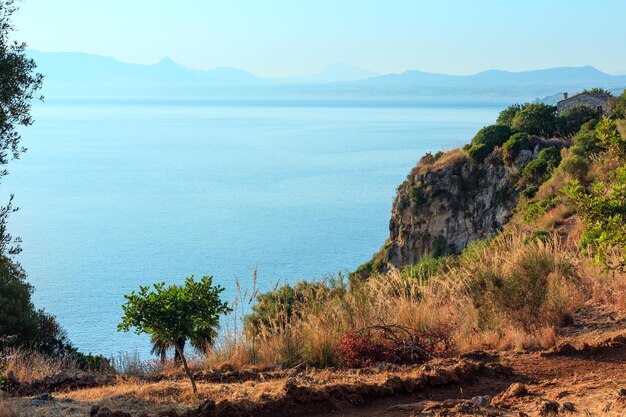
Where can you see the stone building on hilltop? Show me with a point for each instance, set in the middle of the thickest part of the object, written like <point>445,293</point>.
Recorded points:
<point>594,100</point>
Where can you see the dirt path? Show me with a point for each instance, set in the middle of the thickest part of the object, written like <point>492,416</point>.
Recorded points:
<point>585,374</point>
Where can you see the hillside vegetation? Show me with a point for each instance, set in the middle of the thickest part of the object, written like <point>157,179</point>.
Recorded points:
<point>562,178</point>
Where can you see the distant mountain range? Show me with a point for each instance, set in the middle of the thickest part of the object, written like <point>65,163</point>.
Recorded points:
<point>83,75</point>
<point>536,83</point>
<point>331,74</point>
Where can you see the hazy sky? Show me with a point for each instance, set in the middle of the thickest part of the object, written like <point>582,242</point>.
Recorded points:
<point>289,37</point>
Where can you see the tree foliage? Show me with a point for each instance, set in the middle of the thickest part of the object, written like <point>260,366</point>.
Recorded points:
<point>514,145</point>
<point>535,119</point>
<point>540,169</point>
<point>274,309</point>
<point>570,121</point>
<point>618,106</point>
<point>603,210</point>
<point>506,116</point>
<point>609,138</point>
<point>21,324</point>
<point>597,90</point>
<point>487,139</point>
<point>586,142</point>
<point>19,86</point>
<point>174,313</point>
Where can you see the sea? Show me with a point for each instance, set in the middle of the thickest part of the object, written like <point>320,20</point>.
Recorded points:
<point>118,193</point>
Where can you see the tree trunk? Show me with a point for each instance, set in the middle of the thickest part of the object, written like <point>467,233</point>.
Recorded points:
<point>179,350</point>
<point>181,343</point>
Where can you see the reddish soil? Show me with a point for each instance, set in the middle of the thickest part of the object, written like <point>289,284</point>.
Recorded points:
<point>584,374</point>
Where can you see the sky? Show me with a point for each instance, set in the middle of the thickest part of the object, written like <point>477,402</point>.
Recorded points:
<point>296,37</point>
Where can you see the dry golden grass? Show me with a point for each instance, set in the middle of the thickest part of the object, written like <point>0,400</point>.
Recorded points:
<point>138,397</point>
<point>538,285</point>
<point>604,287</point>
<point>449,158</point>
<point>27,366</point>
<point>511,294</point>
<point>553,218</point>
<point>431,164</point>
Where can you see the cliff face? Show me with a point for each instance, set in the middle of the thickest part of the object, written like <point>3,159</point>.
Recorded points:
<point>448,202</point>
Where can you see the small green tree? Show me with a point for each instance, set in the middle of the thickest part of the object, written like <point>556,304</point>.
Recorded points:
<point>506,116</point>
<point>609,137</point>
<point>487,139</point>
<point>602,208</point>
<point>535,119</point>
<point>176,313</point>
<point>618,106</point>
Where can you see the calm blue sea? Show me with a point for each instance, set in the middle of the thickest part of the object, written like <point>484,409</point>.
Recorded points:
<point>117,194</point>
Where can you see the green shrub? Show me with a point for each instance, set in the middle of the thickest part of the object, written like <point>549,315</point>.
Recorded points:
<point>475,248</point>
<point>536,119</point>
<point>424,269</point>
<point>94,363</point>
<point>416,195</point>
<point>609,137</point>
<point>506,116</point>
<point>21,324</point>
<point>274,309</point>
<point>479,152</point>
<point>603,211</point>
<point>374,265</point>
<point>538,208</point>
<point>575,165</point>
<point>514,145</point>
<point>570,121</point>
<point>618,106</point>
<point>487,139</point>
<point>522,292</point>
<point>530,192</point>
<point>586,142</point>
<point>597,90</point>
<point>539,170</point>
<point>370,267</point>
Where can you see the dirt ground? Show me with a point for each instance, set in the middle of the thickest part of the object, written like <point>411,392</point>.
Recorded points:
<point>584,374</point>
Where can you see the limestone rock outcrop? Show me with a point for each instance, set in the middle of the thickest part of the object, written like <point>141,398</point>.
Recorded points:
<point>452,200</point>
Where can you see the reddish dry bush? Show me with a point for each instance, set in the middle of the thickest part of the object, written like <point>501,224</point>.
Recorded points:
<point>393,344</point>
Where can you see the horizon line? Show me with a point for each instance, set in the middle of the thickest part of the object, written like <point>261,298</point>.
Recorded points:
<point>376,74</point>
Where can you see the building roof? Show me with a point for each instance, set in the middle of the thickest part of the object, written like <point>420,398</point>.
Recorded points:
<point>601,96</point>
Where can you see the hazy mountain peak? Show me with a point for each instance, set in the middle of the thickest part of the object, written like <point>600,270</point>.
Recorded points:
<point>167,62</point>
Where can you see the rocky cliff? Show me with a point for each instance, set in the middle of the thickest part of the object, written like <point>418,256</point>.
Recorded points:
<point>450,200</point>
